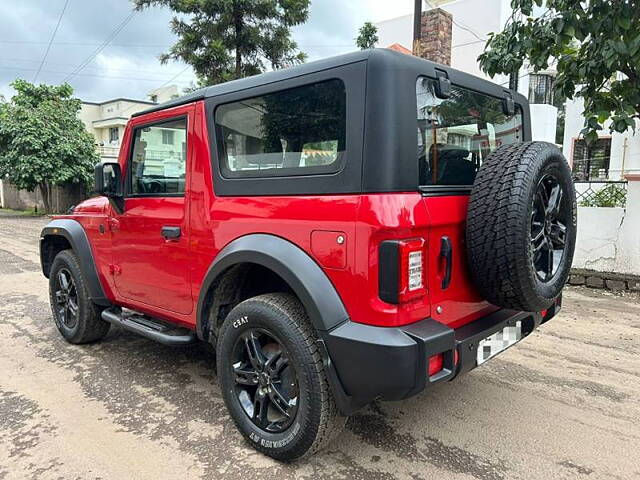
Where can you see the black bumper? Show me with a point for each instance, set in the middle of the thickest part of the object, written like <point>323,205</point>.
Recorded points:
<point>365,362</point>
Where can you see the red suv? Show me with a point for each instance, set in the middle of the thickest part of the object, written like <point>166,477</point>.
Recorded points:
<point>347,230</point>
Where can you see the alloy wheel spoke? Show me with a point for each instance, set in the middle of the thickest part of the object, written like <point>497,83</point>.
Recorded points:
<point>555,199</point>
<point>550,255</point>
<point>279,401</point>
<point>72,307</point>
<point>558,234</point>
<point>260,409</point>
<point>244,376</point>
<point>254,351</point>
<point>63,281</point>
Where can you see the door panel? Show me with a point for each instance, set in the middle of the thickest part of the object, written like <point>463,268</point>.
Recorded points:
<point>151,237</point>
<point>454,299</point>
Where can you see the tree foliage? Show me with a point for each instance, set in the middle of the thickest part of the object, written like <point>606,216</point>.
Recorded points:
<point>42,140</point>
<point>367,36</point>
<point>227,39</point>
<point>596,44</point>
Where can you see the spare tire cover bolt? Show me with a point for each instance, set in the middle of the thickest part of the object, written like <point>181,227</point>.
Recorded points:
<point>438,309</point>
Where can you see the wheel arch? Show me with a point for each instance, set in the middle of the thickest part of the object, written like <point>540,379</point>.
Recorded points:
<point>287,262</point>
<point>63,234</point>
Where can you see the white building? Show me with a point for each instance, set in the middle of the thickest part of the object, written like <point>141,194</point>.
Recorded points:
<point>611,158</point>
<point>106,120</point>
<point>472,21</point>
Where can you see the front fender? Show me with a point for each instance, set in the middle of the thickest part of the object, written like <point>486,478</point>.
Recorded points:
<point>74,234</point>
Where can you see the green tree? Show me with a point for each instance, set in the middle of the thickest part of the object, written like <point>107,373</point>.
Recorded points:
<point>42,140</point>
<point>596,44</point>
<point>227,39</point>
<point>367,36</point>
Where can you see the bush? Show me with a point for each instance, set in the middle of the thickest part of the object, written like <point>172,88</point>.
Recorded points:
<point>613,195</point>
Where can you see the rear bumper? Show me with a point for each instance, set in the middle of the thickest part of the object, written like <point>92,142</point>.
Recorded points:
<point>365,363</point>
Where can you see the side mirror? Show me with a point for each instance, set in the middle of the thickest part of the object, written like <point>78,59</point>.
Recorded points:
<point>108,180</point>
<point>108,183</point>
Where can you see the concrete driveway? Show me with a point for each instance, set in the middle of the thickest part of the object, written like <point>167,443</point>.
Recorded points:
<point>562,404</point>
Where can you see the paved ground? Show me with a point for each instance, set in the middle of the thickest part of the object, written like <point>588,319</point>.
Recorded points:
<point>562,404</point>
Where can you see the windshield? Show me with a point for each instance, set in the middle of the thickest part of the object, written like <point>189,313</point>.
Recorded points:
<point>457,133</point>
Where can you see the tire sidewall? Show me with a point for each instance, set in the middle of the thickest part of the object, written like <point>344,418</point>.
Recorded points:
<point>65,260</point>
<point>546,292</point>
<point>299,436</point>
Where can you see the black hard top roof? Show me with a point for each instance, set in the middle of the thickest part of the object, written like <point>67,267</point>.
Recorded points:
<point>381,55</point>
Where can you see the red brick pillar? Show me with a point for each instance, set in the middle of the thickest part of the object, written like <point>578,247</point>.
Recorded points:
<point>435,41</point>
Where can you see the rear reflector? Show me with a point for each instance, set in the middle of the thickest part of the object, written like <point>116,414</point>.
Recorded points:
<point>435,364</point>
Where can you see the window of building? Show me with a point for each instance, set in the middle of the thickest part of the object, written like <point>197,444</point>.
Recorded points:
<point>158,168</point>
<point>167,137</point>
<point>456,134</point>
<point>591,162</point>
<point>114,135</point>
<point>541,88</point>
<point>298,131</point>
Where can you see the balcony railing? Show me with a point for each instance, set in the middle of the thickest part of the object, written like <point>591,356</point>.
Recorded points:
<point>108,152</point>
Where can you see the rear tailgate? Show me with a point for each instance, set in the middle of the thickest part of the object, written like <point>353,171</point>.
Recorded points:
<point>454,300</point>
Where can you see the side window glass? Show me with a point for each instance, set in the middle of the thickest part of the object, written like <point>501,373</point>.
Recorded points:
<point>159,158</point>
<point>300,131</point>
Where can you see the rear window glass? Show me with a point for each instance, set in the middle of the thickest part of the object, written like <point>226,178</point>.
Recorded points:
<point>457,133</point>
<point>299,131</point>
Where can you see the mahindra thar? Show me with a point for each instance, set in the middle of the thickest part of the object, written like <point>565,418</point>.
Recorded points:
<point>358,228</point>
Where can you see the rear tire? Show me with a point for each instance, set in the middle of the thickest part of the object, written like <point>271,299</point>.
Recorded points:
<point>520,241</point>
<point>76,316</point>
<point>302,417</point>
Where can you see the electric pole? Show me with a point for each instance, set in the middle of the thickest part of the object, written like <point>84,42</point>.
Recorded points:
<point>417,26</point>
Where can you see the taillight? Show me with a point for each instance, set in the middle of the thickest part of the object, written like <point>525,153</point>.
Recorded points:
<point>402,270</point>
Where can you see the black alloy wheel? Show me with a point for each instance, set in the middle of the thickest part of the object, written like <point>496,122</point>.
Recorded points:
<point>66,298</point>
<point>266,385</point>
<point>549,218</point>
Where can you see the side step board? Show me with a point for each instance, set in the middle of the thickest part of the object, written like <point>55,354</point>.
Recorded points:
<point>152,329</point>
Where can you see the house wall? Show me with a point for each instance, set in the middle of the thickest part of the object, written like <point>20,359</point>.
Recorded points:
<point>625,147</point>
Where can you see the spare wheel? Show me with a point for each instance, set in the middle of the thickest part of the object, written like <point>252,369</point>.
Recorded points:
<point>521,226</point>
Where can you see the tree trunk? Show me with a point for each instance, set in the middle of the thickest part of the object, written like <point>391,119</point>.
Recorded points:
<point>237,23</point>
<point>44,192</point>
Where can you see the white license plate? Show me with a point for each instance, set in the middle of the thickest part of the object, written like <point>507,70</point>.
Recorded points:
<point>498,342</point>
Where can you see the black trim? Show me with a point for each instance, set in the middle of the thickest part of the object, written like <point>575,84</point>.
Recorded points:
<point>74,233</point>
<point>318,181</point>
<point>371,362</point>
<point>303,275</point>
<point>389,271</point>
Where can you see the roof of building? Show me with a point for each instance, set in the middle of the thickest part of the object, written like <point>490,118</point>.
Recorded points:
<point>396,47</point>
<point>121,99</point>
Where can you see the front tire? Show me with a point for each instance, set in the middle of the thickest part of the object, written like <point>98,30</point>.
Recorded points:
<point>273,380</point>
<point>75,315</point>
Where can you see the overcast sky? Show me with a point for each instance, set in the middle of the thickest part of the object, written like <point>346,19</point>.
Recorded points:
<point>128,66</point>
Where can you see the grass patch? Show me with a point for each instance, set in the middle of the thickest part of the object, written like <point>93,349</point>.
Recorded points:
<point>30,212</point>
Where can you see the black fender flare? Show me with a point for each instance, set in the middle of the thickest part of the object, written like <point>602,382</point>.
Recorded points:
<point>305,277</point>
<point>72,231</point>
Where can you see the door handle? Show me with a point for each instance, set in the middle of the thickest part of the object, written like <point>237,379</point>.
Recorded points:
<point>170,233</point>
<point>446,256</point>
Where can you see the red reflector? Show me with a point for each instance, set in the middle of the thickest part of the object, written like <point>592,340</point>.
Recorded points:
<point>435,364</point>
<point>455,357</point>
<point>544,313</point>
